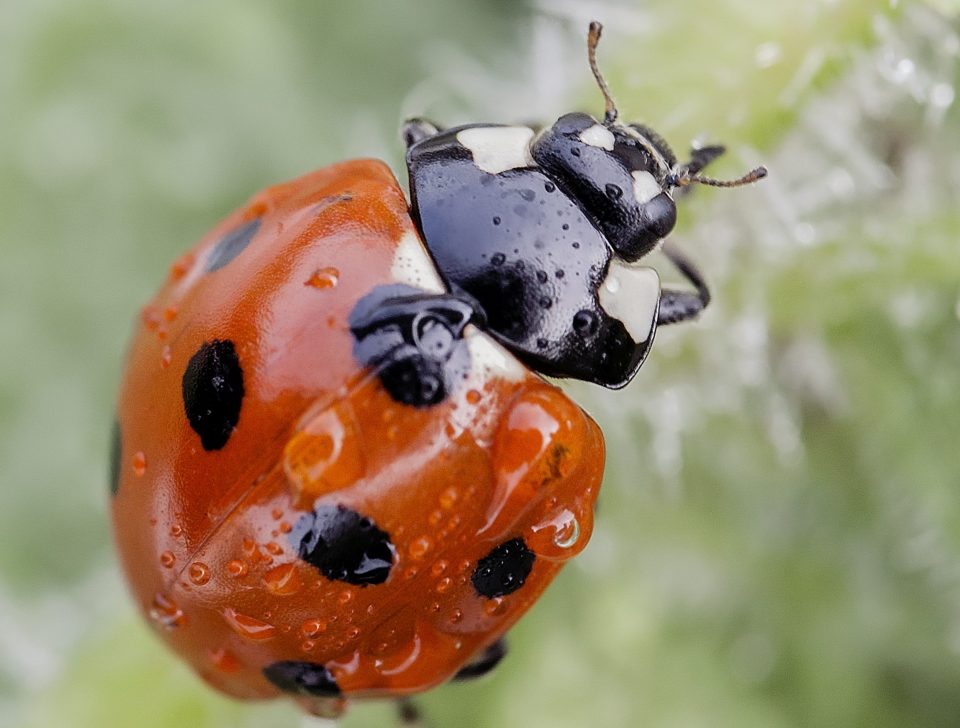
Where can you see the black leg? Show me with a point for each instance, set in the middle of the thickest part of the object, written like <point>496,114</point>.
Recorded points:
<point>408,714</point>
<point>415,130</point>
<point>700,157</point>
<point>484,662</point>
<point>677,306</point>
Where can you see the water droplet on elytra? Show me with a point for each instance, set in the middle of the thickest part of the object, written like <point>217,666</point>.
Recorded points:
<point>238,568</point>
<point>614,192</point>
<point>249,627</point>
<point>419,547</point>
<point>282,580</point>
<point>199,573</point>
<point>444,585</point>
<point>324,278</point>
<point>165,612</point>
<point>167,559</point>
<point>139,464</point>
<point>313,628</point>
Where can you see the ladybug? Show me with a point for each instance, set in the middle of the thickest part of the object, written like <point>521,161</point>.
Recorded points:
<point>337,470</point>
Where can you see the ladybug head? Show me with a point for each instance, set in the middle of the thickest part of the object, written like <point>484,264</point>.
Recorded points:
<point>622,174</point>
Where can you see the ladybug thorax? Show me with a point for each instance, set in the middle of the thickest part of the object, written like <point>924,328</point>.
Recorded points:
<point>544,230</point>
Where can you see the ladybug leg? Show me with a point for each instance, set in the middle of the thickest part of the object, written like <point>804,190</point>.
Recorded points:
<point>485,662</point>
<point>408,714</point>
<point>414,340</point>
<point>700,157</point>
<point>676,306</point>
<point>416,130</point>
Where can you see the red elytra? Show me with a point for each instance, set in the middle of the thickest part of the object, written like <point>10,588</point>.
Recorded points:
<point>208,536</point>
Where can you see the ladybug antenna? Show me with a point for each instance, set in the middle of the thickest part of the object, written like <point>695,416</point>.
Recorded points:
<point>593,38</point>
<point>683,178</point>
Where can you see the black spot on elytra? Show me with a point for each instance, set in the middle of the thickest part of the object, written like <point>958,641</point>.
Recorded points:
<point>302,678</point>
<point>343,545</point>
<point>504,569</point>
<point>116,448</point>
<point>213,392</point>
<point>484,662</point>
<point>231,245</point>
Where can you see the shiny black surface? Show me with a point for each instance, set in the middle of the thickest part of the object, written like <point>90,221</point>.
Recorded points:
<point>601,181</point>
<point>529,254</point>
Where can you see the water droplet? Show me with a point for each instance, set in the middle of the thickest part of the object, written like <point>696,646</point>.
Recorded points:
<point>559,535</point>
<point>495,606</point>
<point>167,559</point>
<point>274,548</point>
<point>542,276</point>
<point>498,259</point>
<point>224,660</point>
<point>308,645</point>
<point>326,455</point>
<point>419,547</point>
<point>282,580</point>
<point>165,357</point>
<point>353,633</point>
<point>345,597</point>
<point>139,464</point>
<point>181,266</point>
<point>549,186</point>
<point>565,226</point>
<point>324,278</point>
<point>560,273</point>
<point>313,628</point>
<point>456,616</point>
<point>249,627</point>
<point>443,585</point>
<point>150,317</point>
<point>165,612</point>
<point>448,498</point>
<point>176,530</point>
<point>238,568</point>
<point>439,567</point>
<point>546,301</point>
<point>473,396</point>
<point>614,192</point>
<point>496,220</point>
<point>199,573</point>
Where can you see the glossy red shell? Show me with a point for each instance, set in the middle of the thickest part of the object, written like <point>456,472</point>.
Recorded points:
<point>204,535</point>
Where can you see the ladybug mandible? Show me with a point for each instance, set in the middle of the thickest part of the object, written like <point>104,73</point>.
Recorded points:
<point>337,472</point>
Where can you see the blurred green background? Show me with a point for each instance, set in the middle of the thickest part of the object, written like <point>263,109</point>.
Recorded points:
<point>778,542</point>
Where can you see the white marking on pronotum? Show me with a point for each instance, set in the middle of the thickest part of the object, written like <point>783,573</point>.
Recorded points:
<point>412,265</point>
<point>598,136</point>
<point>490,358</point>
<point>645,187</point>
<point>631,294</point>
<point>498,148</point>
